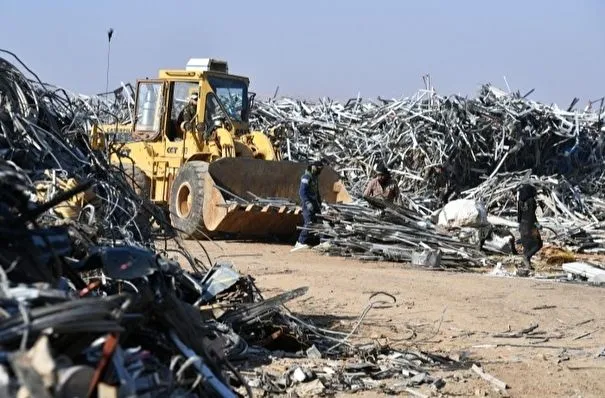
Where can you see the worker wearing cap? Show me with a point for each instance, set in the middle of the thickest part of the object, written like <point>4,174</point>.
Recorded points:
<point>529,228</point>
<point>382,186</point>
<point>310,200</point>
<point>189,113</point>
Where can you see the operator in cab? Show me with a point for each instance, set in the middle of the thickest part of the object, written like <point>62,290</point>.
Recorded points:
<point>382,186</point>
<point>189,113</point>
<point>311,203</point>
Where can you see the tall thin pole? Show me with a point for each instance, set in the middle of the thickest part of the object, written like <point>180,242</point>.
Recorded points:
<point>109,35</point>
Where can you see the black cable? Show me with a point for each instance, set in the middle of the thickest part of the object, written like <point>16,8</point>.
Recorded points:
<point>239,377</point>
<point>22,64</point>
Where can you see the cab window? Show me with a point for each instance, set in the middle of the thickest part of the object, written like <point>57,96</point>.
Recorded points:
<point>180,97</point>
<point>149,103</point>
<point>233,95</point>
<point>181,91</point>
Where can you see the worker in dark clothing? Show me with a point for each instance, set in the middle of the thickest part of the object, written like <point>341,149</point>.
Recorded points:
<point>189,113</point>
<point>310,200</point>
<point>445,180</point>
<point>528,226</point>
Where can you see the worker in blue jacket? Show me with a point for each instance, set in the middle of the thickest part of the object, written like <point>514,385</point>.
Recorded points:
<point>310,200</point>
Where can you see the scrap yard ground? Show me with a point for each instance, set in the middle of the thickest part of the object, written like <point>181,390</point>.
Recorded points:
<point>452,313</point>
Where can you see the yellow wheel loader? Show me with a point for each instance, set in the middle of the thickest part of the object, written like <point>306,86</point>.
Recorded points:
<point>211,171</point>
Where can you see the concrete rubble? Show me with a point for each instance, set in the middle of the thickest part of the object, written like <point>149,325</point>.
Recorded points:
<point>586,272</point>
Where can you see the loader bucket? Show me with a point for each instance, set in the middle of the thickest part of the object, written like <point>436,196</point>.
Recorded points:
<point>253,197</point>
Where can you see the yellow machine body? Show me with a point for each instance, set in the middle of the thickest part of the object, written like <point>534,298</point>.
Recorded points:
<point>241,166</point>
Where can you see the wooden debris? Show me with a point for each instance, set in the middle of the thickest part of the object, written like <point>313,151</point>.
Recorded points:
<point>520,333</point>
<point>544,307</point>
<point>581,336</point>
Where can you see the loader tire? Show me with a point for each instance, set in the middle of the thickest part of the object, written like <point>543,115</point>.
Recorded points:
<point>187,200</point>
<point>141,184</point>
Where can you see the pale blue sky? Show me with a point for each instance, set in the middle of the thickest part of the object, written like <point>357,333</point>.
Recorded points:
<point>315,48</point>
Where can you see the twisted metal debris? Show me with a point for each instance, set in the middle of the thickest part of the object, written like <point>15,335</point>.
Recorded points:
<point>392,233</point>
<point>93,305</point>
<point>44,130</point>
<point>470,138</point>
<point>441,148</point>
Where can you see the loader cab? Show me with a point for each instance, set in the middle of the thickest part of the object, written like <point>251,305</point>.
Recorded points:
<point>160,106</point>
<point>222,92</point>
<point>223,100</point>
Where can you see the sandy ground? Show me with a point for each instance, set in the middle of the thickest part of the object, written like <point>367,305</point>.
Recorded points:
<point>451,313</point>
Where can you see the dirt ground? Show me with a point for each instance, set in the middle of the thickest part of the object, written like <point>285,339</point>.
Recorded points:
<point>449,313</point>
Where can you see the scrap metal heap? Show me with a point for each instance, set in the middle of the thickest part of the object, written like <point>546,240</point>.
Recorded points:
<point>469,138</point>
<point>441,148</point>
<point>392,233</point>
<point>91,302</point>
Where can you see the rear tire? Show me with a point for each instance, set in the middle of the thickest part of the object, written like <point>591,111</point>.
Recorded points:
<point>141,184</point>
<point>187,200</point>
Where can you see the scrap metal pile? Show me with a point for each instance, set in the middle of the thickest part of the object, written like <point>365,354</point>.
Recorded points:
<point>392,233</point>
<point>92,305</point>
<point>44,131</point>
<point>469,138</point>
<point>442,148</point>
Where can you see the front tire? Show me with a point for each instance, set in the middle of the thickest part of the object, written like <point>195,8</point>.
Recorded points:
<point>187,200</point>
